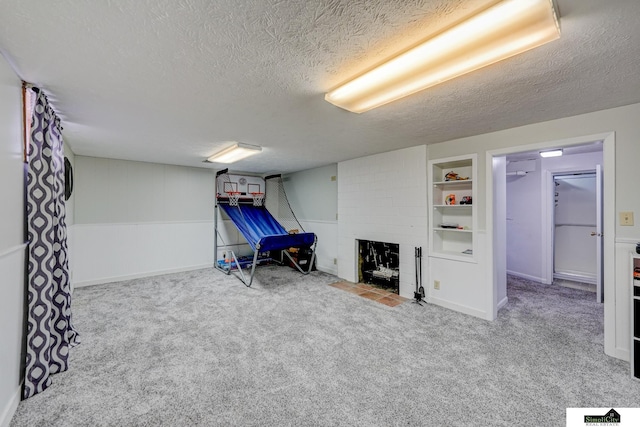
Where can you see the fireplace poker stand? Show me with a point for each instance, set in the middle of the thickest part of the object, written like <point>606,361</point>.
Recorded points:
<point>418,295</point>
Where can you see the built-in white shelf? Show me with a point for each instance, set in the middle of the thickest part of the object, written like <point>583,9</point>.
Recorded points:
<point>457,183</point>
<point>454,230</point>
<point>445,208</point>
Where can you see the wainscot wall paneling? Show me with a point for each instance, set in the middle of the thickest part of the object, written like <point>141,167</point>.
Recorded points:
<point>327,233</point>
<point>135,219</point>
<point>113,252</point>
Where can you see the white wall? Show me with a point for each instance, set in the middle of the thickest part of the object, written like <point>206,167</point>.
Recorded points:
<point>70,212</point>
<point>12,247</point>
<point>572,162</point>
<point>524,222</point>
<point>383,198</point>
<point>135,219</point>
<point>313,195</point>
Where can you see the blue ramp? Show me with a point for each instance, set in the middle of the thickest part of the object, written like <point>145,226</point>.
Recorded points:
<point>262,231</point>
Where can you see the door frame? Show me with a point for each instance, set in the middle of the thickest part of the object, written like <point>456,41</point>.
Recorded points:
<point>608,177</point>
<point>548,219</point>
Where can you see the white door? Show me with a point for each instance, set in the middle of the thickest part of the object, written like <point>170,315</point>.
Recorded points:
<point>575,255</point>
<point>598,236</point>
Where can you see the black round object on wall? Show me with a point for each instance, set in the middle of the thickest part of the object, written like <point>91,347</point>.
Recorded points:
<point>68,179</point>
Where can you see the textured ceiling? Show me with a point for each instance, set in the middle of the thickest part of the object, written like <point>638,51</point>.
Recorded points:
<point>170,81</point>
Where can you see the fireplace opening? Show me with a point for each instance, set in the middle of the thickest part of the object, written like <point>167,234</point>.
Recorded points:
<point>379,264</point>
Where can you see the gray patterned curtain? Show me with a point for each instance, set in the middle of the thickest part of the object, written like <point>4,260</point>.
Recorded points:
<point>50,333</point>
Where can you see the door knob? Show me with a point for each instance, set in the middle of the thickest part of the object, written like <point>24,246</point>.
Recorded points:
<point>593,233</point>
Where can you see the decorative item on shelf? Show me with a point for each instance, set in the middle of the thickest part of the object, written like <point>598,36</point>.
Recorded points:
<point>449,225</point>
<point>450,199</point>
<point>466,200</point>
<point>452,176</point>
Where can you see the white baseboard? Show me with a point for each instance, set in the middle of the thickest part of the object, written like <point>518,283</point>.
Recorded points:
<point>328,269</point>
<point>10,409</point>
<point>575,277</point>
<point>457,307</point>
<point>621,353</point>
<point>527,276</point>
<point>103,280</point>
<point>503,302</point>
<point>139,275</point>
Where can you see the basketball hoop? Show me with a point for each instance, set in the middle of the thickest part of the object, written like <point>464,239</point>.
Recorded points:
<point>258,198</point>
<point>234,196</point>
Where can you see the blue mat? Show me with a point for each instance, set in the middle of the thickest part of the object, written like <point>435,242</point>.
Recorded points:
<point>262,231</point>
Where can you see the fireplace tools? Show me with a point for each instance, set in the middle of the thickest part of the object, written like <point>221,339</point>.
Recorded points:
<point>419,292</point>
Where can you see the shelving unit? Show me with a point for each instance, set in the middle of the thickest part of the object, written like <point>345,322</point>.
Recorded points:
<point>452,225</point>
<point>635,316</point>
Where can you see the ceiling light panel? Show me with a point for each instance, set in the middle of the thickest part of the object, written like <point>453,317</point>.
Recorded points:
<point>234,153</point>
<point>551,153</point>
<point>501,31</point>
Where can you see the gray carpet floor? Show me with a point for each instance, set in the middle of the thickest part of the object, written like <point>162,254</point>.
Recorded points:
<point>199,348</point>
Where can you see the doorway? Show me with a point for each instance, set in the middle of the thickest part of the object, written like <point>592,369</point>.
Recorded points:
<point>542,272</point>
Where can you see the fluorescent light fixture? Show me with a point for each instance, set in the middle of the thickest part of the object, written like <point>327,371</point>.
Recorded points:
<point>506,29</point>
<point>551,153</point>
<point>237,151</point>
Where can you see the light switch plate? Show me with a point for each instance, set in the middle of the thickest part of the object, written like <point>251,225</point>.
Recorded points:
<point>626,218</point>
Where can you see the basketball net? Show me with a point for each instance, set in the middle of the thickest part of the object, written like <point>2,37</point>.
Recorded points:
<point>234,196</point>
<point>258,199</point>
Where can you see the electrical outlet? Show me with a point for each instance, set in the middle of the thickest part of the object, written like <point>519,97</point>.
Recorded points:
<point>436,284</point>
<point>626,218</point>
<point>335,261</point>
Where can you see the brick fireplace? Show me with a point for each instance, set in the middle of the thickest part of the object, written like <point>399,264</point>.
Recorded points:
<point>383,198</point>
